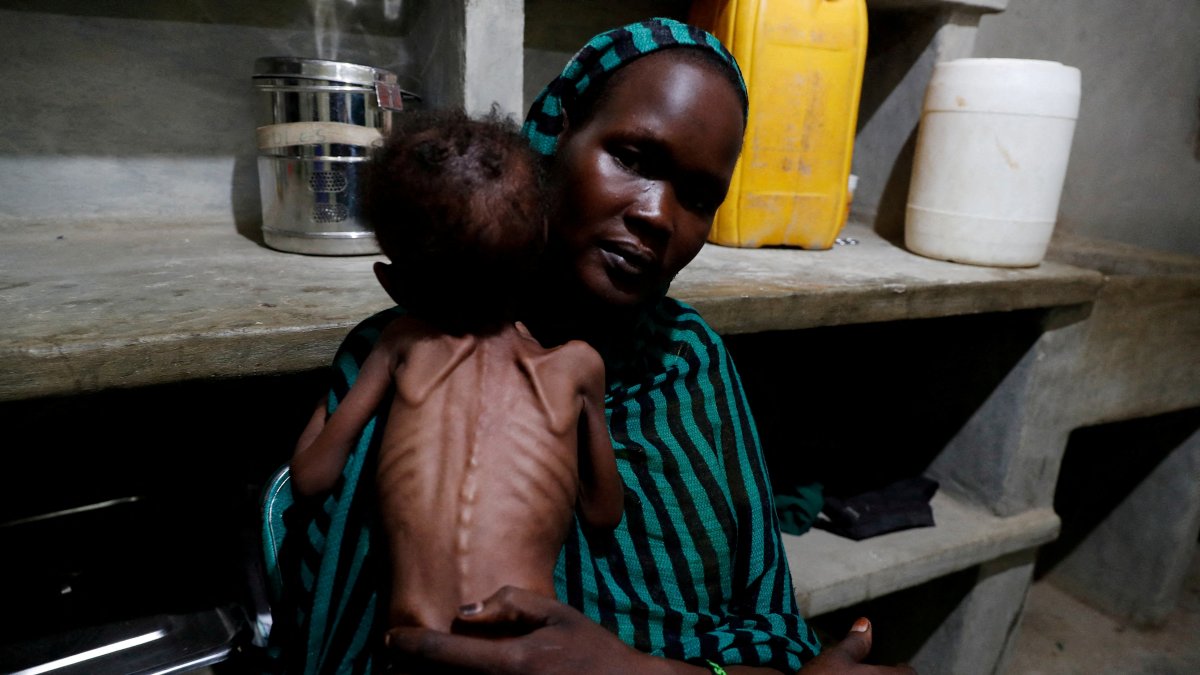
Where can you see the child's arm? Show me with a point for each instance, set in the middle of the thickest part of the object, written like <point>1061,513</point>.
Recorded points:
<point>601,494</point>
<point>318,462</point>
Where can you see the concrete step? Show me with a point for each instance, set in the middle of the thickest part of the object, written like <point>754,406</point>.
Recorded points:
<point>832,572</point>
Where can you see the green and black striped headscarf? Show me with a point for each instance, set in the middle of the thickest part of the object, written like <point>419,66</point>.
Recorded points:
<point>603,55</point>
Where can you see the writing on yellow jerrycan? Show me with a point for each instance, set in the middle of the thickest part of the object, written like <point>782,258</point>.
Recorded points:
<point>803,63</point>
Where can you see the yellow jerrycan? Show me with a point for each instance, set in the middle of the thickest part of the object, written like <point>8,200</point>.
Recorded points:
<point>803,63</point>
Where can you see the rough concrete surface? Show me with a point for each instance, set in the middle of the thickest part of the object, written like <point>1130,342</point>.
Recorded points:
<point>832,572</point>
<point>94,306</point>
<point>1062,636</point>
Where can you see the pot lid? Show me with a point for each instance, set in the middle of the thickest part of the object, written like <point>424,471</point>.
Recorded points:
<point>320,69</point>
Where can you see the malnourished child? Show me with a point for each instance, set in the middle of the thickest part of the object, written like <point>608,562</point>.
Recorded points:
<point>490,442</point>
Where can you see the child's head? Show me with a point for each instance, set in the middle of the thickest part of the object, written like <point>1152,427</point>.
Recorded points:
<point>457,206</point>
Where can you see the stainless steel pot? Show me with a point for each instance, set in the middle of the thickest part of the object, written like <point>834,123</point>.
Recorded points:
<point>319,120</point>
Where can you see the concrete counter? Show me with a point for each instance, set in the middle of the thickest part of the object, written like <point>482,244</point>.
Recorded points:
<point>96,306</point>
<point>832,572</point>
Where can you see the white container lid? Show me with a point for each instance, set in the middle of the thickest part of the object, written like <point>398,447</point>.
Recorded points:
<point>1006,86</point>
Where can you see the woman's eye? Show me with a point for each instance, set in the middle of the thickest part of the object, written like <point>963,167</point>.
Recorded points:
<point>700,203</point>
<point>629,159</point>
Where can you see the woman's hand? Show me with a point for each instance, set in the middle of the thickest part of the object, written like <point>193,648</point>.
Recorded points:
<point>518,632</point>
<point>846,656</point>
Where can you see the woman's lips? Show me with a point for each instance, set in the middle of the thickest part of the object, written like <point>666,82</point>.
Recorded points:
<point>628,258</point>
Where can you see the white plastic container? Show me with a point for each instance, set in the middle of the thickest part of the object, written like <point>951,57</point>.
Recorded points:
<point>991,159</point>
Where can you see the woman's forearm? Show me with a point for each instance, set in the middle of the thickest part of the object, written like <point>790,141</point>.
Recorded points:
<point>661,666</point>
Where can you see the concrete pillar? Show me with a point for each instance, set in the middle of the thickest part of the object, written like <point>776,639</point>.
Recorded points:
<point>978,634</point>
<point>1133,563</point>
<point>474,54</point>
<point>1006,457</point>
<point>494,63</point>
<point>1134,356</point>
<point>964,623</point>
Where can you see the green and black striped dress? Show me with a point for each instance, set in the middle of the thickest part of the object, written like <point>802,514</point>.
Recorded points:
<point>694,572</point>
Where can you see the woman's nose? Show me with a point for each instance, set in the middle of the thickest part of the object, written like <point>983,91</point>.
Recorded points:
<point>654,207</point>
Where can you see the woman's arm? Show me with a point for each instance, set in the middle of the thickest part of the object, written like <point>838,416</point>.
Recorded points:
<point>766,591</point>
<point>551,639</point>
<point>554,639</point>
<point>325,552</point>
<point>761,614</point>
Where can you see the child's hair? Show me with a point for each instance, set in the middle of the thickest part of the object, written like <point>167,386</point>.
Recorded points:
<point>457,206</point>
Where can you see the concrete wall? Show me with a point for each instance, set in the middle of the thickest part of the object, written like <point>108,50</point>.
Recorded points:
<point>116,111</point>
<point>146,111</point>
<point>112,115</point>
<point>552,35</point>
<point>1134,174</point>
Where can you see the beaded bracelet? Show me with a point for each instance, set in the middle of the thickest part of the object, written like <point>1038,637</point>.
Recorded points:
<point>717,670</point>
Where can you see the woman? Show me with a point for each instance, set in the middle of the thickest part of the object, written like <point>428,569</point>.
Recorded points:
<point>642,132</point>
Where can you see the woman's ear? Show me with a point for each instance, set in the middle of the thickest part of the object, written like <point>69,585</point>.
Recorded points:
<point>567,129</point>
<point>383,273</point>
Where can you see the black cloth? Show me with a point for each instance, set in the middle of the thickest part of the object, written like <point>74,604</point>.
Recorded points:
<point>900,506</point>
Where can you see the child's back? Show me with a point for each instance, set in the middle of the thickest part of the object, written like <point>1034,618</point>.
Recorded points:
<point>478,471</point>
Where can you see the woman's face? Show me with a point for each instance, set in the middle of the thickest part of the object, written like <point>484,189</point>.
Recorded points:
<point>643,177</point>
